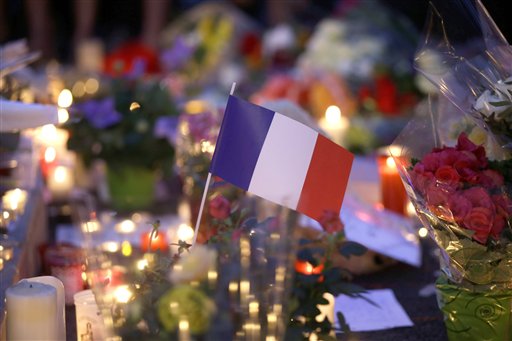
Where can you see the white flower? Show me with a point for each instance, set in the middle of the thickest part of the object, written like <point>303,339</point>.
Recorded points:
<point>502,93</point>
<point>194,265</point>
<point>281,37</point>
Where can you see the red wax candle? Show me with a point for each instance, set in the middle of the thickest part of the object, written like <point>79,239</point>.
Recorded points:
<point>393,193</point>
<point>158,242</point>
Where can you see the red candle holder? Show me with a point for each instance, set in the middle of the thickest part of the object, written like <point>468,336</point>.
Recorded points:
<point>394,197</point>
<point>158,241</point>
<point>67,264</point>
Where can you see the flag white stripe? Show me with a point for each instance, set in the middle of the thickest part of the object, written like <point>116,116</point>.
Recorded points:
<point>284,160</point>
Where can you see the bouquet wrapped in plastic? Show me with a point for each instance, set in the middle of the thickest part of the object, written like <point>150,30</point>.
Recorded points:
<point>459,177</point>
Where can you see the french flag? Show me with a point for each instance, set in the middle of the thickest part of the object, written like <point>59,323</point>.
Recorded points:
<point>281,160</point>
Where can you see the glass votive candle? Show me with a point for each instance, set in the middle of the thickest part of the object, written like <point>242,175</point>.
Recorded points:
<point>89,321</point>
<point>66,263</point>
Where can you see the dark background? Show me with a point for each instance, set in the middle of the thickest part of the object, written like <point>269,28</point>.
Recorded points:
<point>120,19</point>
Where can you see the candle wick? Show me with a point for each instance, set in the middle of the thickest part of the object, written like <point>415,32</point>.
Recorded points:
<point>30,285</point>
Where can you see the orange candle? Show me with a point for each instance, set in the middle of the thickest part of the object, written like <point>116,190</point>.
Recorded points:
<point>158,242</point>
<point>393,193</point>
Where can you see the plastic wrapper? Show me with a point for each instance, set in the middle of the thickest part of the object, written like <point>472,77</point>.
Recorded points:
<point>458,174</point>
<point>470,61</point>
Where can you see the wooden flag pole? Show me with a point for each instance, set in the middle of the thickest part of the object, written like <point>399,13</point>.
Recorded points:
<point>205,191</point>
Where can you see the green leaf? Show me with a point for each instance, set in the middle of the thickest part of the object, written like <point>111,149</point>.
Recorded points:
<point>343,323</point>
<point>500,103</point>
<point>349,248</point>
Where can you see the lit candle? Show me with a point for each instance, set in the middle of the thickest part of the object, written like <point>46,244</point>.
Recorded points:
<point>60,181</point>
<point>125,227</point>
<point>334,124</point>
<point>61,311</point>
<point>158,241</point>
<point>393,193</point>
<point>14,200</point>
<point>31,311</point>
<point>306,268</point>
<point>89,322</point>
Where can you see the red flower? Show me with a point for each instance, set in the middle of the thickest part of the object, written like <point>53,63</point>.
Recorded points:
<point>497,227</point>
<point>331,222</point>
<point>503,205</point>
<point>479,197</point>
<point>491,179</point>
<point>480,220</point>
<point>447,175</point>
<point>128,57</point>
<point>459,206</point>
<point>386,95</point>
<point>219,207</point>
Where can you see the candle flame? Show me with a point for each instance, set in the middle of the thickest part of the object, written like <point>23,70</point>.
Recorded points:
<point>185,232</point>
<point>390,162</point>
<point>422,232</point>
<point>65,99</point>
<point>123,294</point>
<point>61,174</point>
<point>63,115</point>
<point>333,114</point>
<point>50,154</point>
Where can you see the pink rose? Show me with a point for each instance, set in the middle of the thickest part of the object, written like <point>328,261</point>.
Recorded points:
<point>503,205</point>
<point>449,156</point>
<point>421,179</point>
<point>431,162</point>
<point>459,206</point>
<point>480,220</point>
<point>465,144</point>
<point>331,222</point>
<point>491,179</point>
<point>497,227</point>
<point>479,197</point>
<point>438,195</point>
<point>219,207</point>
<point>447,175</point>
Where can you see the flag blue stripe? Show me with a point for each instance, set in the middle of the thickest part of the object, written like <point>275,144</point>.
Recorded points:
<point>243,131</point>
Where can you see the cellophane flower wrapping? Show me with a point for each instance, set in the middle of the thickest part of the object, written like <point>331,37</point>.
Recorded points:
<point>455,163</point>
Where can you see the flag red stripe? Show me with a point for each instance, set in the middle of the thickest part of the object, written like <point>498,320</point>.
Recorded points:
<point>326,180</point>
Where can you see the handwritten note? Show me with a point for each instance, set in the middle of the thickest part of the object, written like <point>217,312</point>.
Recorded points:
<point>384,311</point>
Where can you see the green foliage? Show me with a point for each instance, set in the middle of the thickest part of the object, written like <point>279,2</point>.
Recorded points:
<point>308,290</point>
<point>132,140</point>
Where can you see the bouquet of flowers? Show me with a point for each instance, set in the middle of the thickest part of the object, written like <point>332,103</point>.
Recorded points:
<point>458,176</point>
<point>129,128</point>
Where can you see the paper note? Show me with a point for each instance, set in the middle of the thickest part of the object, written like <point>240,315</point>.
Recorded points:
<point>382,231</point>
<point>361,315</point>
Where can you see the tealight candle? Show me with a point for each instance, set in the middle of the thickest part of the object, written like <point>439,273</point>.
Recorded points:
<point>31,311</point>
<point>393,193</point>
<point>89,322</point>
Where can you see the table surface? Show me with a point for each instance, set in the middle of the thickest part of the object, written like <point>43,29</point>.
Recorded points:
<point>407,282</point>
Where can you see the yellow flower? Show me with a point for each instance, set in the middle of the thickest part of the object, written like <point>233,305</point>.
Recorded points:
<point>478,136</point>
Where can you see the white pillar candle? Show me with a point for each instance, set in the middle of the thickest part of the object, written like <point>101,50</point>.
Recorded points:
<point>89,321</point>
<point>31,311</point>
<point>61,310</point>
